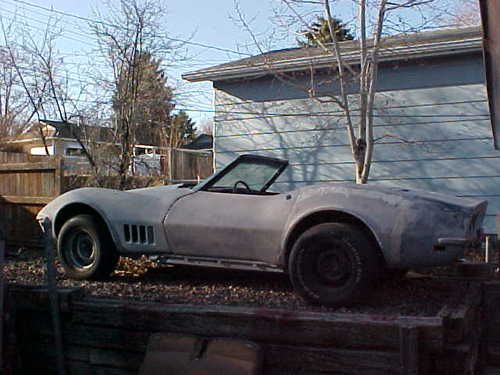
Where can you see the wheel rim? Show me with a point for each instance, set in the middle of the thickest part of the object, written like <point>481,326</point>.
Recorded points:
<point>80,250</point>
<point>334,267</point>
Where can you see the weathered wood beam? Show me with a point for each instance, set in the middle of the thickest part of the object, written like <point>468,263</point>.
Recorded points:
<point>38,166</point>
<point>25,200</point>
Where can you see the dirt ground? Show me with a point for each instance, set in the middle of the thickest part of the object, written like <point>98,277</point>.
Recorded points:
<point>144,280</point>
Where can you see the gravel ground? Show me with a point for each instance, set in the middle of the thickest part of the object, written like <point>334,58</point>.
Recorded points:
<point>146,281</point>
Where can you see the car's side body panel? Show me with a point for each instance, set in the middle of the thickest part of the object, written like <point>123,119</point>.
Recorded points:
<point>225,225</point>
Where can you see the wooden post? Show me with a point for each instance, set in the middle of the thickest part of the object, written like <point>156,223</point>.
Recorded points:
<point>59,176</point>
<point>54,300</point>
<point>2,296</point>
<point>408,338</point>
<point>170,160</point>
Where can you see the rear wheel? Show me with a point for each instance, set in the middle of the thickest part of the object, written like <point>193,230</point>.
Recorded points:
<point>333,264</point>
<point>85,249</point>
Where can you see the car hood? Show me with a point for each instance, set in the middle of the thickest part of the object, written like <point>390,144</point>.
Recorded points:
<point>156,190</point>
<point>139,203</point>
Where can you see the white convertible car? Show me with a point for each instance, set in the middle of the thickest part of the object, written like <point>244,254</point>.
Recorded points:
<point>333,240</point>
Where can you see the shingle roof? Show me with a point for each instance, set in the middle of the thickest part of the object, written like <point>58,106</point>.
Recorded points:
<point>72,130</point>
<point>202,142</point>
<point>423,44</point>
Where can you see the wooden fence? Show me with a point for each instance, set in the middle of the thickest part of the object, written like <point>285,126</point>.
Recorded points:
<point>104,336</point>
<point>189,165</point>
<point>27,183</point>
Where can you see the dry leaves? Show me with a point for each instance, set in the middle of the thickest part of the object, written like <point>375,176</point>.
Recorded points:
<point>143,279</point>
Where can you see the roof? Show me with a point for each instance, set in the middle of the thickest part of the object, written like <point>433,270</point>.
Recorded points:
<point>400,47</point>
<point>202,142</point>
<point>71,130</point>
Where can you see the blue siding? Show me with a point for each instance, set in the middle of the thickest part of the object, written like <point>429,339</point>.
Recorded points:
<point>431,124</point>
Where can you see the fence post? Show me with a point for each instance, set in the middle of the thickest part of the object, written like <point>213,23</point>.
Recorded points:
<point>170,160</point>
<point>59,176</point>
<point>2,296</point>
<point>53,296</point>
<point>408,346</point>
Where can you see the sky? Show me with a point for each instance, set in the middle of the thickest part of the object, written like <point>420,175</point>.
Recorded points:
<point>212,23</point>
<point>205,22</point>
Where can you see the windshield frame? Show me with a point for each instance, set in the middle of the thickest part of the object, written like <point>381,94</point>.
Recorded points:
<point>280,163</point>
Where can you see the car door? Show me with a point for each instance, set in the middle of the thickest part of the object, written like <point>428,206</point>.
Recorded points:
<point>228,225</point>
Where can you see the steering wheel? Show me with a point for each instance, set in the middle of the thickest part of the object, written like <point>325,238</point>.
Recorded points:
<point>235,186</point>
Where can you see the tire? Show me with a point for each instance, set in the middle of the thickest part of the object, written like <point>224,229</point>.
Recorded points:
<point>85,249</point>
<point>333,264</point>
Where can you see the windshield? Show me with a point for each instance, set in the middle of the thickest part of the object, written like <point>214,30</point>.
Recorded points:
<point>257,174</point>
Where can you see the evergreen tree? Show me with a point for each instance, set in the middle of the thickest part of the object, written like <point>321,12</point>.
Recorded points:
<point>152,99</point>
<point>182,129</point>
<point>320,31</point>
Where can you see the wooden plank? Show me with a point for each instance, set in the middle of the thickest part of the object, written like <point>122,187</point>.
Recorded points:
<point>409,356</point>
<point>25,187</point>
<point>261,325</point>
<point>106,337</point>
<point>35,298</point>
<point>2,296</point>
<point>36,200</point>
<point>291,358</point>
<point>77,367</point>
<point>104,357</point>
<point>296,359</point>
<point>38,166</point>
<point>59,177</point>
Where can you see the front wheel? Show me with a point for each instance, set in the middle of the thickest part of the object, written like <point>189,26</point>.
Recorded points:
<point>85,249</point>
<point>333,264</point>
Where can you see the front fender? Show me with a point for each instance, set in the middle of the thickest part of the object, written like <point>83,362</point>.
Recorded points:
<point>116,208</point>
<point>86,197</point>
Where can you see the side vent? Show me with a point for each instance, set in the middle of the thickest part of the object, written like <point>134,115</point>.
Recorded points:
<point>139,234</point>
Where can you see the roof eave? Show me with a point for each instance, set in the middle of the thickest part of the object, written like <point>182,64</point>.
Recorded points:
<point>394,54</point>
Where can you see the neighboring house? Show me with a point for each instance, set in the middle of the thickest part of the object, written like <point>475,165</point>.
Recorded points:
<point>62,138</point>
<point>432,122</point>
<point>203,142</point>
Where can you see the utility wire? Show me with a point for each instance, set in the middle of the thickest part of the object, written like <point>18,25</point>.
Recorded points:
<point>94,21</point>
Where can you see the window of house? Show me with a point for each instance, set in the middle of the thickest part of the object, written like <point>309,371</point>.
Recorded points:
<point>73,151</point>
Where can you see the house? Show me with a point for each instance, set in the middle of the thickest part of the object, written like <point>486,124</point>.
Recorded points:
<point>66,139</point>
<point>61,138</point>
<point>203,142</point>
<point>432,125</point>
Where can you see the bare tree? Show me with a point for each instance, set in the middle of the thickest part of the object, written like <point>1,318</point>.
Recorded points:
<point>35,87</point>
<point>13,103</point>
<point>466,13</point>
<point>372,17</point>
<point>39,71</point>
<point>129,32</point>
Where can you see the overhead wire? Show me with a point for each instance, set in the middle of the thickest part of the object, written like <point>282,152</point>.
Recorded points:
<point>94,21</point>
